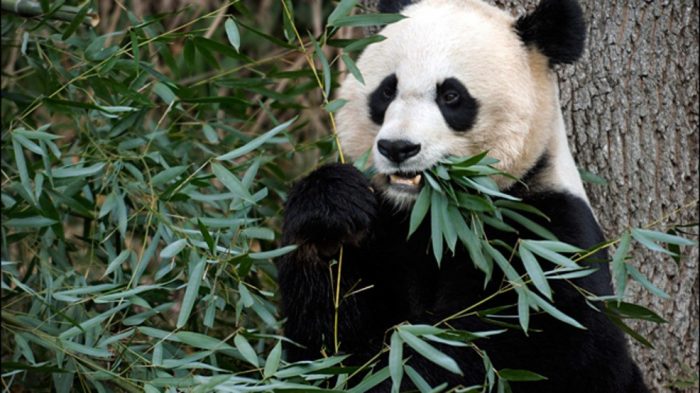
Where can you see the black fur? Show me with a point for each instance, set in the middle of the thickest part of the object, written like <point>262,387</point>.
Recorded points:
<point>460,114</point>
<point>404,284</point>
<point>392,6</point>
<point>381,98</point>
<point>556,28</point>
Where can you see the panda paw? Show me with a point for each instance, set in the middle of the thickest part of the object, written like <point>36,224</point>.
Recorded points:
<point>331,206</point>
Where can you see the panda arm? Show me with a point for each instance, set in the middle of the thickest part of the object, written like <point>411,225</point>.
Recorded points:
<point>333,206</point>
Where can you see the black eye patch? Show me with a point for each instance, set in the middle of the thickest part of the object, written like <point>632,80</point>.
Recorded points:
<point>381,97</point>
<point>457,106</point>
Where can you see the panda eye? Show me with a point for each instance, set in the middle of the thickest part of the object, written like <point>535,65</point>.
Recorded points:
<point>388,92</point>
<point>450,97</point>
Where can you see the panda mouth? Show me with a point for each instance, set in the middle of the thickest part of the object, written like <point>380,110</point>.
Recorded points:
<point>406,181</point>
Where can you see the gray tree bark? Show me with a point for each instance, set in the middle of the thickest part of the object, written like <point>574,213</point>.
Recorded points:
<point>631,108</point>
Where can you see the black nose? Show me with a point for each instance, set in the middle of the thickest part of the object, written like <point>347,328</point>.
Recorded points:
<point>397,151</point>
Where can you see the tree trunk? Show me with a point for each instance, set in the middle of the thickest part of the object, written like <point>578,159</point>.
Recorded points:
<point>631,108</point>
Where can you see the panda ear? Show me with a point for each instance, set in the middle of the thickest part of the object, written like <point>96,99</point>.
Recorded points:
<point>392,6</point>
<point>556,28</point>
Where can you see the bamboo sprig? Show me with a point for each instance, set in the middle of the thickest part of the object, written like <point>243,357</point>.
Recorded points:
<point>341,157</point>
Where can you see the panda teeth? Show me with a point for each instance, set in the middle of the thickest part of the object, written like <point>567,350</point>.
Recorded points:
<point>412,181</point>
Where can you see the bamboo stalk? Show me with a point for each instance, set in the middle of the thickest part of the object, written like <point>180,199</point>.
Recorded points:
<point>30,8</point>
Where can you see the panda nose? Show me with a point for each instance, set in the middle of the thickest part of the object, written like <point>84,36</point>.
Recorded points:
<point>397,151</point>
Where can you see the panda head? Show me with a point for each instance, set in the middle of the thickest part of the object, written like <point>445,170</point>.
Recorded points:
<point>456,78</point>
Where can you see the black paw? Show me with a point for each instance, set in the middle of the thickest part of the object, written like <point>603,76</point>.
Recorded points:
<point>331,206</point>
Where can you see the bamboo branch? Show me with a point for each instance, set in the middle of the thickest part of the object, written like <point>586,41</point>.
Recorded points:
<point>29,8</point>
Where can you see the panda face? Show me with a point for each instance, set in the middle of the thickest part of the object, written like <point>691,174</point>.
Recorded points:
<point>452,79</point>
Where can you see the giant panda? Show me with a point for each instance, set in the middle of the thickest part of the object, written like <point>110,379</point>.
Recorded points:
<point>454,78</point>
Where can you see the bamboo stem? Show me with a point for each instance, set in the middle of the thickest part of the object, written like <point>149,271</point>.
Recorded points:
<point>29,8</point>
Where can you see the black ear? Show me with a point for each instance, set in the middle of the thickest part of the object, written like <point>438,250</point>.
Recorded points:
<point>392,6</point>
<point>556,28</point>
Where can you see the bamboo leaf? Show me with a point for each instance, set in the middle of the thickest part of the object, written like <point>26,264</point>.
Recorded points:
<point>396,361</point>
<point>255,143</point>
<point>534,270</point>
<point>191,292</point>
<point>551,310</point>
<point>246,350</point>
<point>619,272</point>
<point>173,249</point>
<point>519,375</point>
<point>234,37</point>
<point>429,352</point>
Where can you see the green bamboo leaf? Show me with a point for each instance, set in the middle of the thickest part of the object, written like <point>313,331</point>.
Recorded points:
<point>272,363</point>
<point>86,350</point>
<point>172,249</point>
<point>113,297</point>
<point>419,210</point>
<point>548,254</point>
<point>634,311</point>
<point>164,92</point>
<point>640,278</point>
<point>258,233</point>
<point>417,379</point>
<point>352,67</point>
<point>448,225</point>
<point>203,341</point>
<point>421,330</point>
<point>246,297</point>
<point>231,182</point>
<point>335,105</point>
<point>519,375</point>
<point>493,191</point>
<point>207,237</point>
<point>246,350</point>
<point>430,353</point>
<point>553,311</point>
<point>342,9</point>
<point>436,232</point>
<point>534,270</point>
<point>647,242</point>
<point>371,381</point>
<point>619,272</point>
<point>638,337</point>
<point>29,222</point>
<point>362,43</point>
<point>255,143</point>
<point>530,225</point>
<point>133,35</point>
<point>364,20</point>
<point>117,262</point>
<point>557,246</point>
<point>664,237</point>
<point>273,253</point>
<point>234,37</point>
<point>77,20</point>
<point>590,177</point>
<point>73,171</point>
<point>524,310</point>
<point>191,292</point>
<point>325,67</point>
<point>396,361</point>
<point>92,322</point>
<point>168,175</point>
<point>33,147</point>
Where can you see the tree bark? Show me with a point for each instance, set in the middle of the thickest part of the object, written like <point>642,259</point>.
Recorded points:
<point>631,108</point>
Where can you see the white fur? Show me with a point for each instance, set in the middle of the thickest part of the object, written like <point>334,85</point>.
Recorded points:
<point>519,116</point>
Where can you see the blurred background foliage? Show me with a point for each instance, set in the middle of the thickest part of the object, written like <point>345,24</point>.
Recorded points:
<point>142,190</point>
